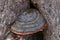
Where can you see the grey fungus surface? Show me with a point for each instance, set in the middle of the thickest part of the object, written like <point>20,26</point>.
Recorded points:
<point>29,21</point>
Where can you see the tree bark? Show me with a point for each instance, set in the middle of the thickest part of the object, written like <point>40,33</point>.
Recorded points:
<point>51,11</point>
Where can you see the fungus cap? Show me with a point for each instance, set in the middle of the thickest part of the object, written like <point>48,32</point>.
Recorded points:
<point>28,21</point>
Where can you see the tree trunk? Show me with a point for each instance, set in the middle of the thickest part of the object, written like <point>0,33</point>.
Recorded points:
<point>50,9</point>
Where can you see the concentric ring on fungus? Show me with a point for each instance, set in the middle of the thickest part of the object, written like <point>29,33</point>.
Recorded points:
<point>28,21</point>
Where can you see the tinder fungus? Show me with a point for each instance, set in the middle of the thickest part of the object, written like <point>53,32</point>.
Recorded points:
<point>28,21</point>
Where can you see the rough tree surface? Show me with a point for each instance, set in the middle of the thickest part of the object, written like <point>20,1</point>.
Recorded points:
<point>9,9</point>
<point>50,9</point>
